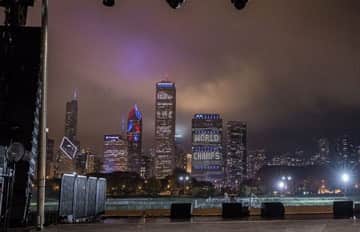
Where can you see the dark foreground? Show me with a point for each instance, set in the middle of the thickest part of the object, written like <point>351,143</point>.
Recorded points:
<point>212,224</point>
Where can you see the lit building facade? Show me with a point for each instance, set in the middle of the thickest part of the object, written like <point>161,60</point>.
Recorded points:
<point>236,153</point>
<point>345,155</point>
<point>71,118</point>
<point>50,158</point>
<point>323,151</point>
<point>165,117</point>
<point>134,140</point>
<point>207,153</point>
<point>255,161</point>
<point>115,154</point>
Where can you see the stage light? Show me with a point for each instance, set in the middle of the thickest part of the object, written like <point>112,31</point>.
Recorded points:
<point>239,4</point>
<point>109,3</point>
<point>175,3</point>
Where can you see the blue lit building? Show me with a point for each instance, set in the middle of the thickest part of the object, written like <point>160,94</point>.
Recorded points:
<point>207,151</point>
<point>115,154</point>
<point>134,139</point>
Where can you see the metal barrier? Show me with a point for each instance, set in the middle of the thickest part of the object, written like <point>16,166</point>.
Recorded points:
<point>81,198</point>
<point>100,195</point>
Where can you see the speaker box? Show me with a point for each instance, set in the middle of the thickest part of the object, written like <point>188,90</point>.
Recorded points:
<point>234,210</point>
<point>180,211</point>
<point>272,210</point>
<point>343,209</point>
<point>357,210</point>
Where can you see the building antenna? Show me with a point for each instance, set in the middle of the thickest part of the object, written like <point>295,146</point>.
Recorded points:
<point>123,124</point>
<point>76,94</point>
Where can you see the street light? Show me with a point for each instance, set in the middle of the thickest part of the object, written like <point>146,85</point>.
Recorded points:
<point>183,179</point>
<point>281,185</point>
<point>345,178</point>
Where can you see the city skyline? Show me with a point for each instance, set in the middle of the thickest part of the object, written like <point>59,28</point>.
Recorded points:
<point>293,71</point>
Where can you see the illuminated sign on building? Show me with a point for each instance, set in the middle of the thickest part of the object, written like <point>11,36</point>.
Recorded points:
<point>207,154</point>
<point>207,136</point>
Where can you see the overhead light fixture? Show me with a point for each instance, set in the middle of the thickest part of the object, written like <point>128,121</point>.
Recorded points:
<point>239,4</point>
<point>109,3</point>
<point>175,3</point>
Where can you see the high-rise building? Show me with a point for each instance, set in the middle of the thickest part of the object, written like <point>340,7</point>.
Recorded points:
<point>165,116</point>
<point>207,152</point>
<point>81,161</point>
<point>71,118</point>
<point>50,158</point>
<point>345,155</point>
<point>324,151</point>
<point>115,154</point>
<point>63,164</point>
<point>255,161</point>
<point>134,139</point>
<point>236,153</point>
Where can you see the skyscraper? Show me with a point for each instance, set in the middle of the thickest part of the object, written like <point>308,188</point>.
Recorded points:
<point>71,119</point>
<point>207,159</point>
<point>345,156</point>
<point>255,161</point>
<point>165,115</point>
<point>134,139</point>
<point>50,158</point>
<point>236,153</point>
<point>324,151</point>
<point>115,154</point>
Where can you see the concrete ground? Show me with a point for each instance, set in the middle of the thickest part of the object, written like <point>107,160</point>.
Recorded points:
<point>212,225</point>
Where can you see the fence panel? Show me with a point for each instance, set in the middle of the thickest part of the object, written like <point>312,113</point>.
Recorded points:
<point>91,196</point>
<point>100,196</point>
<point>80,201</point>
<point>66,195</point>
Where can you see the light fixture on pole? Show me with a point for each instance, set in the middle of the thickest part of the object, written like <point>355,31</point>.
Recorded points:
<point>175,3</point>
<point>239,4</point>
<point>109,3</point>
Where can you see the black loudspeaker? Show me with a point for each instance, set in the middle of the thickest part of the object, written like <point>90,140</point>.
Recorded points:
<point>19,108</point>
<point>357,210</point>
<point>180,211</point>
<point>19,86</point>
<point>234,210</point>
<point>343,209</point>
<point>272,210</point>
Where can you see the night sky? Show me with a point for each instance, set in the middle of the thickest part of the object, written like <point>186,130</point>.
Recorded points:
<point>290,68</point>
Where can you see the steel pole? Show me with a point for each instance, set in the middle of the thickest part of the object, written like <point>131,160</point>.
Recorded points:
<point>43,130</point>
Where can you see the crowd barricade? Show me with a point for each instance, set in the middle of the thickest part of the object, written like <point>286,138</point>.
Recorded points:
<point>82,198</point>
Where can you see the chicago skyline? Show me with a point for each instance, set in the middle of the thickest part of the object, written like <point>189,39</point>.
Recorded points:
<point>257,71</point>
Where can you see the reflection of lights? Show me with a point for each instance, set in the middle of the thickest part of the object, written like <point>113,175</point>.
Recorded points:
<point>168,186</point>
<point>283,178</point>
<point>181,178</point>
<point>289,178</point>
<point>356,186</point>
<point>187,178</point>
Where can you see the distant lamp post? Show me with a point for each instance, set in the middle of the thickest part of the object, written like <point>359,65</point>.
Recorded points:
<point>345,179</point>
<point>184,179</point>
